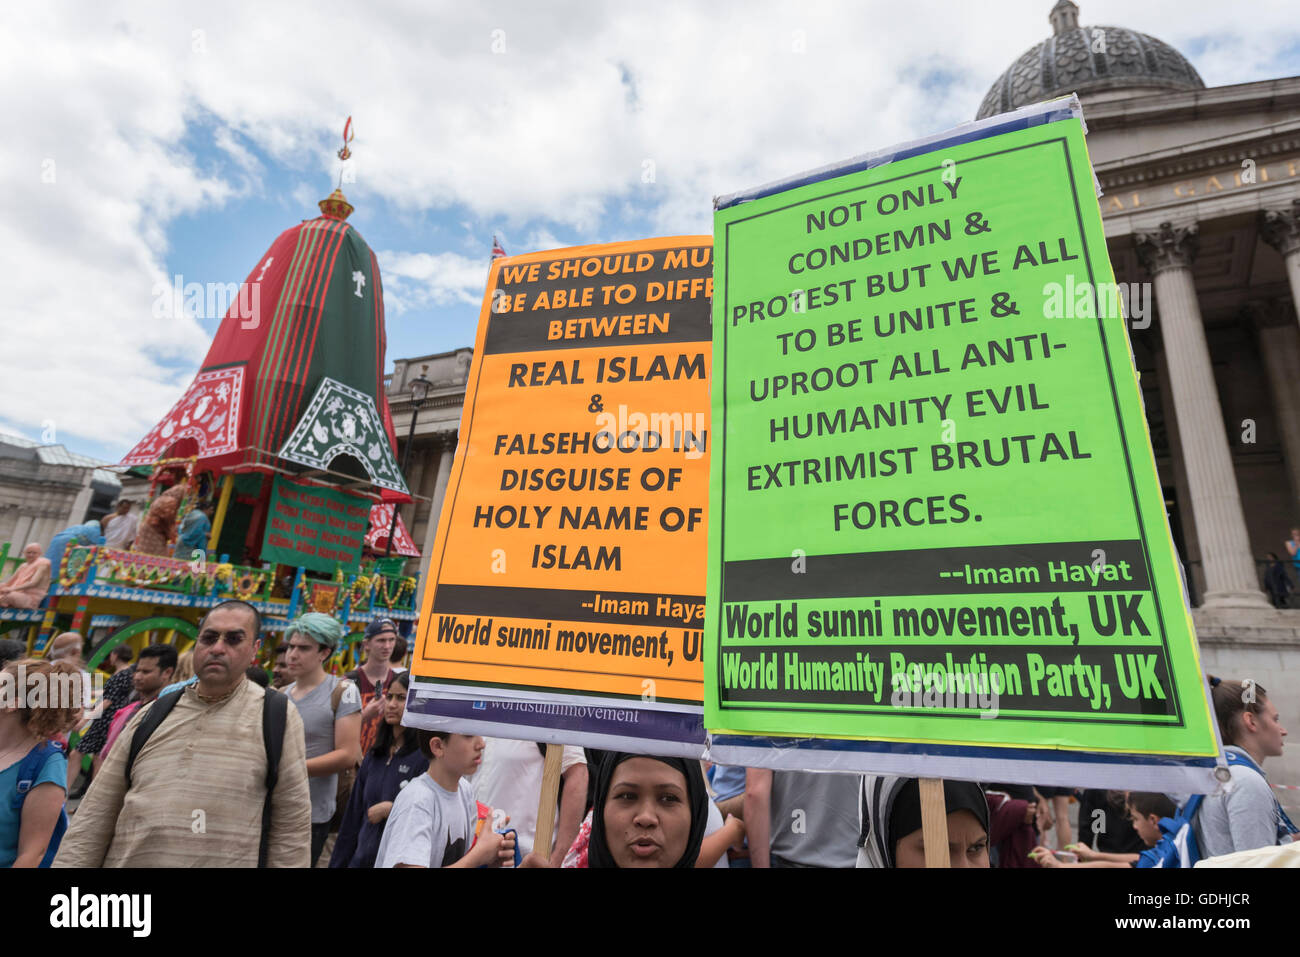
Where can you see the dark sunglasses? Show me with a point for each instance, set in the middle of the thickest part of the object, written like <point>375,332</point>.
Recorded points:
<point>233,639</point>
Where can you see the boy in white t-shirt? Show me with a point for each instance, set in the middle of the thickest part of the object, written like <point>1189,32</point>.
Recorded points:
<point>433,818</point>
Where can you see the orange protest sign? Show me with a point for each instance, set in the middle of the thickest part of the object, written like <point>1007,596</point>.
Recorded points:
<point>570,556</point>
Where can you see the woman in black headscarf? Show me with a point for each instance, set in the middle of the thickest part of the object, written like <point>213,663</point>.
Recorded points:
<point>890,816</point>
<point>647,811</point>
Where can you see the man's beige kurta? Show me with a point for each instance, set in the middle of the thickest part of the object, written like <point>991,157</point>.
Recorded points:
<point>196,793</point>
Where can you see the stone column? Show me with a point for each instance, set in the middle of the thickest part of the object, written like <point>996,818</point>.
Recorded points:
<point>1280,228</point>
<point>1230,579</point>
<point>446,446</point>
<point>420,455</point>
<point>22,526</point>
<point>1279,353</point>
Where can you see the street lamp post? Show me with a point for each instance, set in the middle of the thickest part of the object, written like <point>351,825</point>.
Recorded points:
<point>420,387</point>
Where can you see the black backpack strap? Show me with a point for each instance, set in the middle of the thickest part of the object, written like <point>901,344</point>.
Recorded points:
<point>155,716</point>
<point>275,715</point>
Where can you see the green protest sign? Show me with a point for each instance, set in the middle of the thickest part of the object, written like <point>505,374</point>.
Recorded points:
<point>934,510</point>
<point>317,528</point>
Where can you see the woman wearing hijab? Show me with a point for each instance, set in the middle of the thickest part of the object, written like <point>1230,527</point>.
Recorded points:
<point>26,587</point>
<point>648,811</point>
<point>718,835</point>
<point>890,814</point>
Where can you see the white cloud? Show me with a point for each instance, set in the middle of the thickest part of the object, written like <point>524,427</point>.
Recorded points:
<point>542,238</point>
<point>418,280</point>
<point>549,137</point>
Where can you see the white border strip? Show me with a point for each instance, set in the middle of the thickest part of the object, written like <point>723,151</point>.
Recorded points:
<point>1171,778</point>
<point>886,155</point>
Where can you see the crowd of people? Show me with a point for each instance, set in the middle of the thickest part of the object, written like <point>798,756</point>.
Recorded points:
<point>157,532</point>
<point>205,763</point>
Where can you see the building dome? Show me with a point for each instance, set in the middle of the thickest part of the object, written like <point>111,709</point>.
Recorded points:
<point>1088,60</point>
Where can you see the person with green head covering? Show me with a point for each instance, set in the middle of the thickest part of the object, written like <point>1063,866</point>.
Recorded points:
<point>331,715</point>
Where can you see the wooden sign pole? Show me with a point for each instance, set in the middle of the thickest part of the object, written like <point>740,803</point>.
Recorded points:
<point>550,797</point>
<point>934,822</point>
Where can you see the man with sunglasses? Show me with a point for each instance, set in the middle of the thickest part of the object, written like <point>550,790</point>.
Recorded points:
<point>191,790</point>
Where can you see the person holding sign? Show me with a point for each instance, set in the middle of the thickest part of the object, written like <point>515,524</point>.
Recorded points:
<point>433,818</point>
<point>891,836</point>
<point>800,818</point>
<point>649,811</point>
<point>511,778</point>
<point>719,835</point>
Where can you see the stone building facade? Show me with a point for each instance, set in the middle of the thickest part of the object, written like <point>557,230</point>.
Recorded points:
<point>1201,207</point>
<point>46,488</point>
<point>437,424</point>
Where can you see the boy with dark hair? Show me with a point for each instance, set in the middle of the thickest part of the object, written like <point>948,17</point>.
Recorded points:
<point>432,821</point>
<point>1146,809</point>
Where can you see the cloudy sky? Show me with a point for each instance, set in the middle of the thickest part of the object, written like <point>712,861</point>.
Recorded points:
<point>149,140</point>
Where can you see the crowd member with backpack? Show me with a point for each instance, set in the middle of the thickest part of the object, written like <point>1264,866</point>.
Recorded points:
<point>33,769</point>
<point>330,707</point>
<point>213,774</point>
<point>388,767</point>
<point>1244,814</point>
